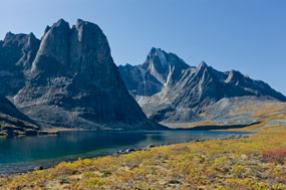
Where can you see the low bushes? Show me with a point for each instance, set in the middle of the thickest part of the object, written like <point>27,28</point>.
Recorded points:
<point>276,155</point>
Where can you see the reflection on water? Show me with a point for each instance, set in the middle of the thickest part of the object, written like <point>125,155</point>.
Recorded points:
<point>28,152</point>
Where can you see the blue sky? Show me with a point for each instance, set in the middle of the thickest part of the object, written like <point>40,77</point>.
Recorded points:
<point>246,35</point>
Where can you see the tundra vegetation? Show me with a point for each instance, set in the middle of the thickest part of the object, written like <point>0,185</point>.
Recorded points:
<point>257,161</point>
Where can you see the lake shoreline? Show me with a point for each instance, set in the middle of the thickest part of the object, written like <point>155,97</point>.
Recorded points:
<point>56,130</point>
<point>233,161</point>
<point>24,168</point>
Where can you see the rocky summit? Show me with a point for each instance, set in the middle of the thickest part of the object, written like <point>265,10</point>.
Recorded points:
<point>17,52</point>
<point>169,90</point>
<point>67,79</point>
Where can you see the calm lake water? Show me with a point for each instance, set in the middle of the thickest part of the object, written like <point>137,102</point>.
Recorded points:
<point>26,153</point>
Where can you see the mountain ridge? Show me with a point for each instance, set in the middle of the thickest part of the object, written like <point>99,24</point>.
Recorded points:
<point>192,89</point>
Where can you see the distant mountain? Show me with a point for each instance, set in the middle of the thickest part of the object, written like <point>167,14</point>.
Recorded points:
<point>170,90</point>
<point>68,79</point>
<point>159,70</point>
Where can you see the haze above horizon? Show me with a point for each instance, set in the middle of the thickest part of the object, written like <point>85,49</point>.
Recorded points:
<point>244,35</point>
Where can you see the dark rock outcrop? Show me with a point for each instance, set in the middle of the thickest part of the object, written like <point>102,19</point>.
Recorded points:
<point>13,122</point>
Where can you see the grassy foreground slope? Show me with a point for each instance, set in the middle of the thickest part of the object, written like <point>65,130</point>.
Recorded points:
<point>256,162</point>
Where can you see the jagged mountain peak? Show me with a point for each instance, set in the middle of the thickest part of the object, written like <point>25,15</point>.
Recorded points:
<point>82,24</point>
<point>159,70</point>
<point>184,91</point>
<point>12,38</point>
<point>8,35</point>
<point>61,23</point>
<point>32,36</point>
<point>157,59</point>
<point>74,79</point>
<point>58,26</point>
<point>156,52</point>
<point>165,67</point>
<point>161,59</point>
<point>202,65</point>
<point>64,46</point>
<point>91,36</point>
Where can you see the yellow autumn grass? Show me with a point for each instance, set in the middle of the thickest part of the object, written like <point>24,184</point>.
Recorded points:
<point>214,164</point>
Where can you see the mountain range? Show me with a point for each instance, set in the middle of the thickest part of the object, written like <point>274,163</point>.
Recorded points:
<point>170,90</point>
<point>68,79</point>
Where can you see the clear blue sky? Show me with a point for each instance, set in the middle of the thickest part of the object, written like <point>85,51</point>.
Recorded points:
<point>246,35</point>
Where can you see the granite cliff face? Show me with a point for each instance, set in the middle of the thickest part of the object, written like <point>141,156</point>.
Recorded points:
<point>169,90</point>
<point>69,79</point>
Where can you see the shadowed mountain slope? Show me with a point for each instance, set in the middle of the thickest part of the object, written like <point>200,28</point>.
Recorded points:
<point>68,79</point>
